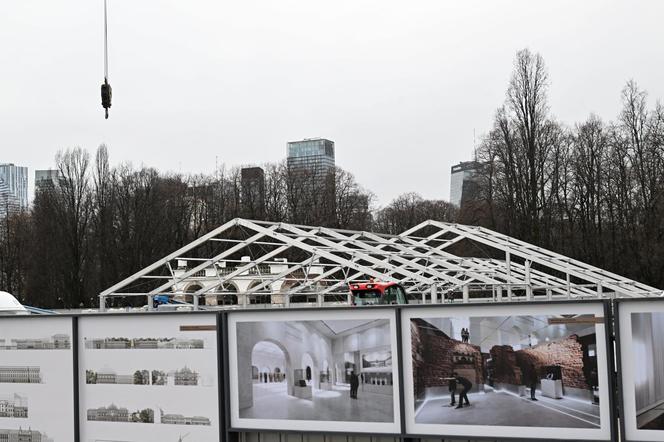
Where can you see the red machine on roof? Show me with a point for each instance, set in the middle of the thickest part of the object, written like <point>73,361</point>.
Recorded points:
<point>377,292</point>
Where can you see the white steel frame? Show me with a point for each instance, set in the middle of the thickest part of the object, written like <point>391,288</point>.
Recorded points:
<point>419,259</point>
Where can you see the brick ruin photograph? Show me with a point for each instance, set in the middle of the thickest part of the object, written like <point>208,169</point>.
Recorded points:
<point>524,371</point>
<point>648,361</point>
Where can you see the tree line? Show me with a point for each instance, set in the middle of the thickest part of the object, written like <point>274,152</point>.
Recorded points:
<point>100,223</point>
<point>592,191</point>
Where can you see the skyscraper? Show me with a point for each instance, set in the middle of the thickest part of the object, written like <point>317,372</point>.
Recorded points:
<point>463,182</point>
<point>311,181</point>
<point>315,155</point>
<point>13,188</point>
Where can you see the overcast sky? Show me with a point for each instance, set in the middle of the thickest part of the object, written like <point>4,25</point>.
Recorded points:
<point>399,86</point>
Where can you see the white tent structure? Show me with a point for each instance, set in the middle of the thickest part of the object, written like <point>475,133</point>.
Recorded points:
<point>267,264</point>
<point>9,305</point>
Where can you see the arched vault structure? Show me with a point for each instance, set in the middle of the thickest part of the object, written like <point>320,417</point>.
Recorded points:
<point>433,261</point>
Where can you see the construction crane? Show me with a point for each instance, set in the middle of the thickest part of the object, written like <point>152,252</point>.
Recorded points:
<point>106,92</point>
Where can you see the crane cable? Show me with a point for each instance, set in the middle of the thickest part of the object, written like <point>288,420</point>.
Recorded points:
<point>106,92</point>
<point>105,44</point>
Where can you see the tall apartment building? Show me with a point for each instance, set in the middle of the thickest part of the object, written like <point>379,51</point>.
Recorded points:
<point>463,182</point>
<point>315,155</point>
<point>311,167</point>
<point>13,189</point>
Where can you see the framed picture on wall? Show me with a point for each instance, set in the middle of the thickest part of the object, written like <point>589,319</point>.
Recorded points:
<point>640,339</point>
<point>36,379</point>
<point>149,377</point>
<point>532,371</point>
<point>326,370</point>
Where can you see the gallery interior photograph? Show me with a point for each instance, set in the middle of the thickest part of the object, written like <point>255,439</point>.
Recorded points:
<point>514,370</point>
<point>648,345</point>
<point>322,370</point>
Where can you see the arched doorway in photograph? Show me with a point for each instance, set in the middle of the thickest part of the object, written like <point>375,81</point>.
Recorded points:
<point>262,296</point>
<point>325,375</point>
<point>271,358</point>
<point>227,293</point>
<point>311,370</point>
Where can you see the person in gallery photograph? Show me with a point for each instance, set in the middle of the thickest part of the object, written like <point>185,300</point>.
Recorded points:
<point>648,345</point>
<point>452,386</point>
<point>466,385</point>
<point>326,370</point>
<point>514,370</point>
<point>354,385</point>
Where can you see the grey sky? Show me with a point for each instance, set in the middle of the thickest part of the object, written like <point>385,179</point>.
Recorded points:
<point>399,86</point>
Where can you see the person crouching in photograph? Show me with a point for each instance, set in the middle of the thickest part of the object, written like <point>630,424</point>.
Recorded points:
<point>466,386</point>
<point>354,384</point>
<point>452,385</point>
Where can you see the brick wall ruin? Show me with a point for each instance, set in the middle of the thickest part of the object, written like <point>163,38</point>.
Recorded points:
<point>568,353</point>
<point>433,357</point>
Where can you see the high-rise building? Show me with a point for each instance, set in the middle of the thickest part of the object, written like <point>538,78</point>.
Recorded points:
<point>253,192</point>
<point>46,178</point>
<point>311,180</point>
<point>13,188</point>
<point>315,155</point>
<point>463,182</point>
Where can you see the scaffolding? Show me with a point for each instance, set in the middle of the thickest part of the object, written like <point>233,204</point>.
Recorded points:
<point>247,263</point>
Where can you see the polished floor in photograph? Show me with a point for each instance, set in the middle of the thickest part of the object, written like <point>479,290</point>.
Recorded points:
<point>502,408</point>
<point>272,402</point>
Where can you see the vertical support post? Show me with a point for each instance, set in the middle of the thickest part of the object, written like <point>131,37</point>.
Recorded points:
<point>150,303</point>
<point>508,263</point>
<point>529,287</point>
<point>434,294</point>
<point>466,294</point>
<point>319,299</point>
<point>424,297</point>
<point>195,301</point>
<point>569,286</point>
<point>499,293</point>
<point>102,303</point>
<point>600,291</point>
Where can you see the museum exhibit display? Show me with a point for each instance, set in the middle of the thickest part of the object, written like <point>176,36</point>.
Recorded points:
<point>641,370</point>
<point>314,371</point>
<point>148,377</point>
<point>507,371</point>
<point>36,379</point>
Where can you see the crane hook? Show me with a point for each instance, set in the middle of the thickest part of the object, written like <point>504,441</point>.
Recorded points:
<point>106,92</point>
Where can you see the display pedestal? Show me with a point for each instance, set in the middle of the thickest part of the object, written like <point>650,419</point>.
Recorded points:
<point>303,392</point>
<point>552,389</point>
